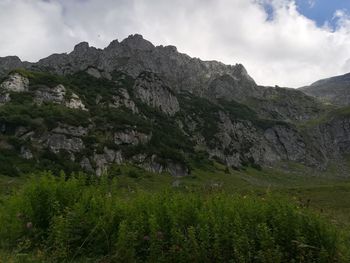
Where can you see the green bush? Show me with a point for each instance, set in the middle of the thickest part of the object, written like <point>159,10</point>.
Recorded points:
<point>33,116</point>
<point>89,87</point>
<point>81,218</point>
<point>12,165</point>
<point>38,78</point>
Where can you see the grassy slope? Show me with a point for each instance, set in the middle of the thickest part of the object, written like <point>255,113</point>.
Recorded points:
<point>327,195</point>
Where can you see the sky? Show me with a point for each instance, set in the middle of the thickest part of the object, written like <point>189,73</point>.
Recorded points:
<point>289,43</point>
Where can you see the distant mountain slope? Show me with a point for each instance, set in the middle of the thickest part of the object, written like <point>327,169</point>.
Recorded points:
<point>335,90</point>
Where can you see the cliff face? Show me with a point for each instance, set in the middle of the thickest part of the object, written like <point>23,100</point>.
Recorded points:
<point>135,55</point>
<point>133,102</point>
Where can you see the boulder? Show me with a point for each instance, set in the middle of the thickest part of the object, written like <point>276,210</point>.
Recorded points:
<point>15,83</point>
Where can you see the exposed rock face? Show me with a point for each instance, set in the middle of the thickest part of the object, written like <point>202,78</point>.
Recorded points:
<point>86,165</point>
<point>26,153</point>
<point>177,169</point>
<point>4,97</point>
<point>9,63</point>
<point>46,94</point>
<point>124,100</point>
<point>79,59</point>
<point>74,102</point>
<point>131,137</point>
<point>231,87</point>
<point>153,92</point>
<point>57,142</point>
<point>71,130</point>
<point>239,142</point>
<point>333,137</point>
<point>286,105</point>
<point>94,72</point>
<point>287,143</point>
<point>58,95</point>
<point>105,159</point>
<point>173,168</point>
<point>15,83</point>
<point>135,55</point>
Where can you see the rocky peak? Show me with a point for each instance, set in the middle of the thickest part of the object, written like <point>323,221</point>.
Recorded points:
<point>114,45</point>
<point>168,49</point>
<point>241,71</point>
<point>9,63</point>
<point>135,55</point>
<point>82,47</point>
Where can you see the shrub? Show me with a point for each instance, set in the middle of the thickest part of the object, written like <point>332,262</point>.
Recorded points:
<point>12,165</point>
<point>41,78</point>
<point>80,217</point>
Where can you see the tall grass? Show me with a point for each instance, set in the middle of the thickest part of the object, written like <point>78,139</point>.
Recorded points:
<point>81,218</point>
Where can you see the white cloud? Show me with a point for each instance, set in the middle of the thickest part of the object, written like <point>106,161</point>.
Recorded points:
<point>289,50</point>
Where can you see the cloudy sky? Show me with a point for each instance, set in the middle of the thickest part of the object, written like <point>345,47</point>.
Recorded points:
<point>280,42</point>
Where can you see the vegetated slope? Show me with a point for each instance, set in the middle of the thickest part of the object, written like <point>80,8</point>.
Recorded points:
<point>92,109</point>
<point>335,90</point>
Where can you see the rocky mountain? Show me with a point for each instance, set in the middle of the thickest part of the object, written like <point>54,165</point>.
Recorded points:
<point>94,109</point>
<point>335,90</point>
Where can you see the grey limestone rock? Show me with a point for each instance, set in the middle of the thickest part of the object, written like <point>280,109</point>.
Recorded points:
<point>58,95</point>
<point>15,83</point>
<point>9,63</point>
<point>131,137</point>
<point>77,131</point>
<point>124,100</point>
<point>57,142</point>
<point>4,98</point>
<point>26,153</point>
<point>151,90</point>
<point>105,159</point>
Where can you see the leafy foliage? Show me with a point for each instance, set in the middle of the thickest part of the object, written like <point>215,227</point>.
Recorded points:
<point>89,87</point>
<point>38,78</point>
<point>12,165</point>
<point>82,217</point>
<point>36,117</point>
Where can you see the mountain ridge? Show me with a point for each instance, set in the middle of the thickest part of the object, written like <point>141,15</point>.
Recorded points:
<point>143,55</point>
<point>159,109</point>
